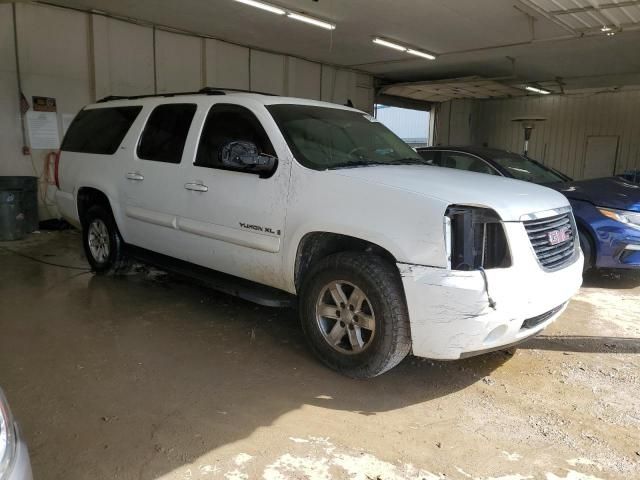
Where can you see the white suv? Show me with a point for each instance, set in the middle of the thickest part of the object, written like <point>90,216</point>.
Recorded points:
<point>271,198</point>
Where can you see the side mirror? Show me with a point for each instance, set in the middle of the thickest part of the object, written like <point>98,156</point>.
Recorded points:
<point>245,157</point>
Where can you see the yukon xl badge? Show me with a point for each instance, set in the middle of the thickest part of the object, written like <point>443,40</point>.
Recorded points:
<point>258,228</point>
<point>558,236</point>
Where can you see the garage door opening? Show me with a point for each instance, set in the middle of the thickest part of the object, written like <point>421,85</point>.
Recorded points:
<point>412,126</point>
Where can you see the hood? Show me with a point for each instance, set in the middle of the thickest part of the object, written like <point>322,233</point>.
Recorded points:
<point>508,197</point>
<point>611,192</point>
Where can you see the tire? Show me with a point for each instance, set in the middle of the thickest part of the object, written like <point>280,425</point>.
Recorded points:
<point>587,249</point>
<point>103,245</point>
<point>373,286</point>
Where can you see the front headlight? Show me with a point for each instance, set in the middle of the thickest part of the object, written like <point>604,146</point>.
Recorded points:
<point>7,437</point>
<point>623,216</point>
<point>475,238</point>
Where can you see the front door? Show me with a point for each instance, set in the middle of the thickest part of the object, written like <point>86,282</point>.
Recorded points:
<point>233,221</point>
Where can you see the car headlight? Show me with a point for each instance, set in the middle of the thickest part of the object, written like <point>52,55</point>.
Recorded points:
<point>624,216</point>
<point>7,437</point>
<point>475,238</point>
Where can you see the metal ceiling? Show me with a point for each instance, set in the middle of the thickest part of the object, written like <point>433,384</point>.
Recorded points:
<point>592,16</point>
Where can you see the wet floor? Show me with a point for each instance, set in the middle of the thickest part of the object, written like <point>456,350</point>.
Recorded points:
<point>146,377</point>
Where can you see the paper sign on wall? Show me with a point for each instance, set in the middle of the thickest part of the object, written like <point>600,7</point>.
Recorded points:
<point>43,130</point>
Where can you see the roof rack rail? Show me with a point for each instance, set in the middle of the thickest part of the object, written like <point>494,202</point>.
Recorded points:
<point>202,91</point>
<point>235,90</point>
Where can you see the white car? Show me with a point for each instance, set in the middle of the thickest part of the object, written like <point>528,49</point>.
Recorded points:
<point>287,198</point>
<point>14,456</point>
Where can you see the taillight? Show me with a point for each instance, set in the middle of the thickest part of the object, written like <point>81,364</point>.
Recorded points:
<point>56,165</point>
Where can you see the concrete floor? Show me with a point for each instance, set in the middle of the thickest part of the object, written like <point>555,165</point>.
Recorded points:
<point>145,377</point>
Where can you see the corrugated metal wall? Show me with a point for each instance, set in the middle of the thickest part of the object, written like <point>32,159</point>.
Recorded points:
<point>78,57</point>
<point>560,141</point>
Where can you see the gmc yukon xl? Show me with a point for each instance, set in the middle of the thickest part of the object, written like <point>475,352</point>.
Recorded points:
<point>278,199</point>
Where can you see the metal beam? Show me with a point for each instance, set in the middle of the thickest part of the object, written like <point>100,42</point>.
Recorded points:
<point>593,8</point>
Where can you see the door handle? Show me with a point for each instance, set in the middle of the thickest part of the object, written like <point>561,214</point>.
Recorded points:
<point>196,187</point>
<point>135,176</point>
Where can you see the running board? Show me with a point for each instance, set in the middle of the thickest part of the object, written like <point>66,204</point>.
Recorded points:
<point>230,284</point>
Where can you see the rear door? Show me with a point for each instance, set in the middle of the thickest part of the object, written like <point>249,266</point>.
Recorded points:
<point>233,221</point>
<point>152,179</point>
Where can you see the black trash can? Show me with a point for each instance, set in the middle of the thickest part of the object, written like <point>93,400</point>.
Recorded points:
<point>29,188</point>
<point>12,217</point>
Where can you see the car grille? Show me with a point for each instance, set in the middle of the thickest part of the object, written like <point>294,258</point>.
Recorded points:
<point>552,255</point>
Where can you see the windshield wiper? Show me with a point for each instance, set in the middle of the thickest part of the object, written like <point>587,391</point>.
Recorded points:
<point>409,161</point>
<point>357,163</point>
<point>366,163</point>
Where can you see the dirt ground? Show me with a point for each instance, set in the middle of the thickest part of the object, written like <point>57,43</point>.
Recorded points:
<point>147,377</point>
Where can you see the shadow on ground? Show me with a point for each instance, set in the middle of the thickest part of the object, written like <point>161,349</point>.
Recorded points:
<point>614,279</point>
<point>583,344</point>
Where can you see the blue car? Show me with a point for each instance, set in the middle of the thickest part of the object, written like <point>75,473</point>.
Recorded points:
<point>607,210</point>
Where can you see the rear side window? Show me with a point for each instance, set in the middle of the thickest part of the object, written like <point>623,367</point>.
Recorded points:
<point>100,130</point>
<point>166,132</point>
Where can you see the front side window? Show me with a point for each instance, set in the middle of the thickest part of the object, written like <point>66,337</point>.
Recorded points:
<point>165,133</point>
<point>99,130</point>
<point>323,138</point>
<point>523,168</point>
<point>430,156</point>
<point>464,161</point>
<point>227,123</point>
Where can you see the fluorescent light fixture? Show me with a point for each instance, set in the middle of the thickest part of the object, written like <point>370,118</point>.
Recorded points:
<point>386,43</point>
<point>605,29</point>
<point>311,20</point>
<point>418,53</point>
<point>263,6</point>
<point>537,90</point>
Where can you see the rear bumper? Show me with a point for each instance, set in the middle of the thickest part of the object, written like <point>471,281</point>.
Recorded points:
<point>450,313</point>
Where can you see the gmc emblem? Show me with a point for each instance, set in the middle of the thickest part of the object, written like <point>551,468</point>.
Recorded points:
<point>558,236</point>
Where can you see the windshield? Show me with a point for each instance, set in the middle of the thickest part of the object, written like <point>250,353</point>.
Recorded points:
<point>526,169</point>
<point>323,138</point>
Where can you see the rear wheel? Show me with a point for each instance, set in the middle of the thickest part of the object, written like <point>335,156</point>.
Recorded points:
<point>354,314</point>
<point>103,245</point>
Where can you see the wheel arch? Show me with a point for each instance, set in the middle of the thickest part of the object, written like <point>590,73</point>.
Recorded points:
<point>314,246</point>
<point>585,228</point>
<point>89,196</point>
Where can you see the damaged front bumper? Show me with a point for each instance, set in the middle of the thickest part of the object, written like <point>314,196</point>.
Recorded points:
<point>451,314</point>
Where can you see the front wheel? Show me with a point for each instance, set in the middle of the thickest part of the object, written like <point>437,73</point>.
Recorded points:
<point>354,314</point>
<point>103,245</point>
<point>587,251</point>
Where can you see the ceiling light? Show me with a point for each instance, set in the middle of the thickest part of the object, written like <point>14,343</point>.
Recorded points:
<point>418,53</point>
<point>610,34</point>
<point>263,6</point>
<point>386,43</point>
<point>311,20</point>
<point>537,90</point>
<point>605,29</point>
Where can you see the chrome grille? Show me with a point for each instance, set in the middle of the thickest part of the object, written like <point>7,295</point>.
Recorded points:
<point>540,230</point>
